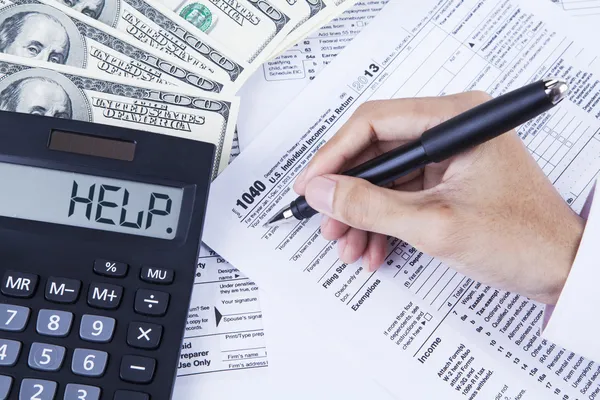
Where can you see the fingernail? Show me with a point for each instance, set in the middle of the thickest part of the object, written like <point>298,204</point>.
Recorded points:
<point>341,247</point>
<point>319,193</point>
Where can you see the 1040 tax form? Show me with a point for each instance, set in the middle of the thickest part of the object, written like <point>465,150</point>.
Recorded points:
<point>420,328</point>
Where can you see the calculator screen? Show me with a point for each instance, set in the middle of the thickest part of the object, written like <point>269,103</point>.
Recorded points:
<point>88,201</point>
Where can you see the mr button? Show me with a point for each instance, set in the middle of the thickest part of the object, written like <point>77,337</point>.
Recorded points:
<point>19,284</point>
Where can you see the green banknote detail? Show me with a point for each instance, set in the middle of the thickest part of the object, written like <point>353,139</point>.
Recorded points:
<point>198,15</point>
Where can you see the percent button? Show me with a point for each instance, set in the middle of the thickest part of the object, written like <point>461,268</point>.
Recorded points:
<point>114,269</point>
<point>151,302</point>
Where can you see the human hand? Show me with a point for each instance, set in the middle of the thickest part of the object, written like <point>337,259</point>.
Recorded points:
<point>490,213</point>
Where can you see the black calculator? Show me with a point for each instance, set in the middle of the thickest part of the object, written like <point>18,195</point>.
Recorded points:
<point>100,229</point>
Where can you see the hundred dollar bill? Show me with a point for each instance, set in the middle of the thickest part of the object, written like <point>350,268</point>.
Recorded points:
<point>250,29</point>
<point>152,23</point>
<point>331,10</point>
<point>61,91</point>
<point>60,35</point>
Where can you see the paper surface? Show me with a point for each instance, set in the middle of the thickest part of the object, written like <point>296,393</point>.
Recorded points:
<point>588,9</point>
<point>416,319</point>
<point>276,83</point>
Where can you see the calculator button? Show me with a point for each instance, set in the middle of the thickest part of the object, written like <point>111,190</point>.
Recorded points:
<point>13,318</point>
<point>37,389</point>
<point>61,290</point>
<point>137,369</point>
<point>19,284</point>
<point>5,384</point>
<point>54,323</point>
<point>89,362</point>
<point>151,302</point>
<point>94,328</point>
<point>78,392</point>
<point>9,352</point>
<point>128,395</point>
<point>102,295</point>
<point>114,269</point>
<point>143,335</point>
<point>46,357</point>
<point>157,275</point>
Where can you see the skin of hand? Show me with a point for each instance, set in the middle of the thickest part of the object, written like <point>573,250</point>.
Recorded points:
<point>490,213</point>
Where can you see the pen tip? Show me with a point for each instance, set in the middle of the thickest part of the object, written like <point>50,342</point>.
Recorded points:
<point>280,216</point>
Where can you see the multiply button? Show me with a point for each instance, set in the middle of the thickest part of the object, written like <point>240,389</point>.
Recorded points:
<point>61,290</point>
<point>157,275</point>
<point>143,335</point>
<point>101,295</point>
<point>19,284</point>
<point>151,302</point>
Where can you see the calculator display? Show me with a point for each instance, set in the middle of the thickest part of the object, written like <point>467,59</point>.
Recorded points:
<point>89,201</point>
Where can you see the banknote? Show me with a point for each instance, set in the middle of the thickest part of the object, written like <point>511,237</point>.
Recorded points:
<point>62,91</point>
<point>301,11</point>
<point>153,24</point>
<point>250,29</point>
<point>62,36</point>
<point>331,10</point>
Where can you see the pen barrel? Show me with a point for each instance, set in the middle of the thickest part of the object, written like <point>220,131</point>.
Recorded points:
<point>392,165</point>
<point>486,121</point>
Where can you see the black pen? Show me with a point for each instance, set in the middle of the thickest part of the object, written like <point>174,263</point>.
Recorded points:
<point>469,129</point>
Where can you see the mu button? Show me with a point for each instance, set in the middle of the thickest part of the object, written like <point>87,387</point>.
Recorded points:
<point>151,302</point>
<point>157,275</point>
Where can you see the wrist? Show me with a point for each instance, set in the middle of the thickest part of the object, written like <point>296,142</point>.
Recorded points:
<point>557,271</point>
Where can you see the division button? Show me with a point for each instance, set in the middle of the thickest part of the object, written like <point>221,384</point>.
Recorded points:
<point>151,302</point>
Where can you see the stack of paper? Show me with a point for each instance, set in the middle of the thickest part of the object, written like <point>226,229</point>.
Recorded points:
<point>416,327</point>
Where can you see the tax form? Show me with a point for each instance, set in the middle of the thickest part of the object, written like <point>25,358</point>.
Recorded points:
<point>421,329</point>
<point>589,9</point>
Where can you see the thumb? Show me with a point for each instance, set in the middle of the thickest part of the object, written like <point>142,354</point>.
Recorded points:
<point>362,205</point>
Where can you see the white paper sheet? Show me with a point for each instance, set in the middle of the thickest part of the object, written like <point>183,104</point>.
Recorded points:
<point>419,328</point>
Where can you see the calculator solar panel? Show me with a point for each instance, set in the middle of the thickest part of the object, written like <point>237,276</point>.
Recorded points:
<point>100,230</point>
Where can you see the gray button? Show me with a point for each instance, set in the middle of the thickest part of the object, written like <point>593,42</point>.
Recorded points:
<point>79,392</point>
<point>54,323</point>
<point>94,328</point>
<point>9,352</point>
<point>46,357</point>
<point>89,362</point>
<point>13,318</point>
<point>37,389</point>
<point>5,384</point>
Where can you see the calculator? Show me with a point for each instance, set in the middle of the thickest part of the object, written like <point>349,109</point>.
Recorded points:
<point>100,229</point>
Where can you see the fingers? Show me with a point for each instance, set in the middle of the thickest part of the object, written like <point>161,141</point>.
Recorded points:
<point>332,229</point>
<point>352,245</point>
<point>384,120</point>
<point>375,253</point>
<point>361,205</point>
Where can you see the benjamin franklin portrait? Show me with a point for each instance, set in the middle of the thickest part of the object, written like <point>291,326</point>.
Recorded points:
<point>37,95</point>
<point>42,91</point>
<point>41,32</point>
<point>105,11</point>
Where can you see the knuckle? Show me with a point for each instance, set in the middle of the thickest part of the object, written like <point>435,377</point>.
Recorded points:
<point>357,206</point>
